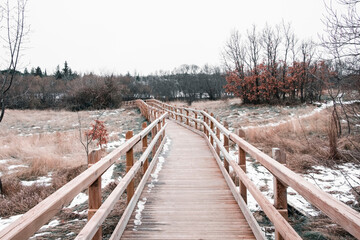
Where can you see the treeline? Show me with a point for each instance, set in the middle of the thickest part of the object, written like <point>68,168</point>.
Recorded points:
<point>271,65</point>
<point>65,89</point>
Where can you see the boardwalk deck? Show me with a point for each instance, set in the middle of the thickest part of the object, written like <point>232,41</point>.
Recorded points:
<point>191,199</point>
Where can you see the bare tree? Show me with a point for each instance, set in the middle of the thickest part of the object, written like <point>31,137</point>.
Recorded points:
<point>342,40</point>
<point>13,30</point>
<point>343,34</point>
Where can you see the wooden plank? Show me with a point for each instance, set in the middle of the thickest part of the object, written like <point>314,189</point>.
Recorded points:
<point>190,199</point>
<point>239,199</point>
<point>130,208</point>
<point>275,217</point>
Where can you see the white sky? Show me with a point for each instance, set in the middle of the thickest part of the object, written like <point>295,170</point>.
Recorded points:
<point>117,36</point>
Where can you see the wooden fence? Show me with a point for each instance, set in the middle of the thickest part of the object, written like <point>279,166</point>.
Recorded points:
<point>206,125</point>
<point>30,222</point>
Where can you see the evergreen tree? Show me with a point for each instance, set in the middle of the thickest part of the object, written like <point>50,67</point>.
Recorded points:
<point>58,74</point>
<point>38,72</point>
<point>66,69</point>
<point>26,72</point>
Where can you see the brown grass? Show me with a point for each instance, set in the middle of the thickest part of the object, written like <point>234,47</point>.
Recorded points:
<point>305,141</point>
<point>48,141</point>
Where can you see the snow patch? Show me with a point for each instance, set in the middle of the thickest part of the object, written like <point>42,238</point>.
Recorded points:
<point>4,222</point>
<point>40,235</point>
<point>12,167</point>
<point>79,199</point>
<point>106,178</point>
<point>140,208</point>
<point>155,174</point>
<point>51,224</point>
<point>46,181</point>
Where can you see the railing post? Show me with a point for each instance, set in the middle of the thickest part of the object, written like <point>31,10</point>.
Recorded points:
<point>212,130</point>
<point>242,164</point>
<point>206,130</point>
<point>226,146</point>
<point>176,116</point>
<point>280,193</point>
<point>180,116</point>
<point>187,119</point>
<point>129,164</point>
<point>196,121</point>
<point>94,192</point>
<point>218,137</point>
<point>159,140</point>
<point>144,146</point>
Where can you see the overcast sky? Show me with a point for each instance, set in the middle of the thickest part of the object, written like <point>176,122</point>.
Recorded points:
<point>115,36</point>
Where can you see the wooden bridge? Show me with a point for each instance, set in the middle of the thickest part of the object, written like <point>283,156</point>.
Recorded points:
<point>193,195</point>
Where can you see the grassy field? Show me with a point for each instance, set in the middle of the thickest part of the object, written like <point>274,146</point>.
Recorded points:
<point>41,150</point>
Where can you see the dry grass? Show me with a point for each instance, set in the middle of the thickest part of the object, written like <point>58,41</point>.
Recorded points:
<point>34,143</point>
<point>305,141</point>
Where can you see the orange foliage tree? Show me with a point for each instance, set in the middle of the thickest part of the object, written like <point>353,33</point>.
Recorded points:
<point>98,132</point>
<point>264,83</point>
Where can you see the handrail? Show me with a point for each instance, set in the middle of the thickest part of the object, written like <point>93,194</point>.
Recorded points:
<point>342,214</point>
<point>101,214</point>
<point>279,221</point>
<point>31,221</point>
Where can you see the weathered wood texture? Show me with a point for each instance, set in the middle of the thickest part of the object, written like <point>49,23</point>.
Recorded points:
<point>191,199</point>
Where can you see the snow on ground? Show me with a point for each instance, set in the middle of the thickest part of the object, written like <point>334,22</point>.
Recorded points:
<point>155,174</point>
<point>51,224</point>
<point>140,208</point>
<point>276,122</point>
<point>7,221</point>
<point>154,178</point>
<point>338,183</point>
<point>79,199</point>
<point>46,181</point>
<point>114,144</point>
<point>12,167</point>
<point>106,178</point>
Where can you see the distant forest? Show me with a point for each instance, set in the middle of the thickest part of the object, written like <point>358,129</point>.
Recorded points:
<point>66,89</point>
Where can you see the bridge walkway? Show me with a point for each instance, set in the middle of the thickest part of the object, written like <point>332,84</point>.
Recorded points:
<point>190,199</point>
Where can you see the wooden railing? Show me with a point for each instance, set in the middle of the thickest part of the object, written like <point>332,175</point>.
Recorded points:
<point>30,222</point>
<point>206,125</point>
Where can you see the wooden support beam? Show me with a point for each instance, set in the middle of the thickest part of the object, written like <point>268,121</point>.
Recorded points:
<point>187,119</point>
<point>242,164</point>
<point>218,137</point>
<point>226,145</point>
<point>196,117</point>
<point>212,130</point>
<point>129,164</point>
<point>144,146</point>
<point>280,193</point>
<point>94,192</point>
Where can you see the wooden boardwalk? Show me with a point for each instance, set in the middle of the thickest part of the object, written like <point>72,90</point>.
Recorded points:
<point>191,199</point>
